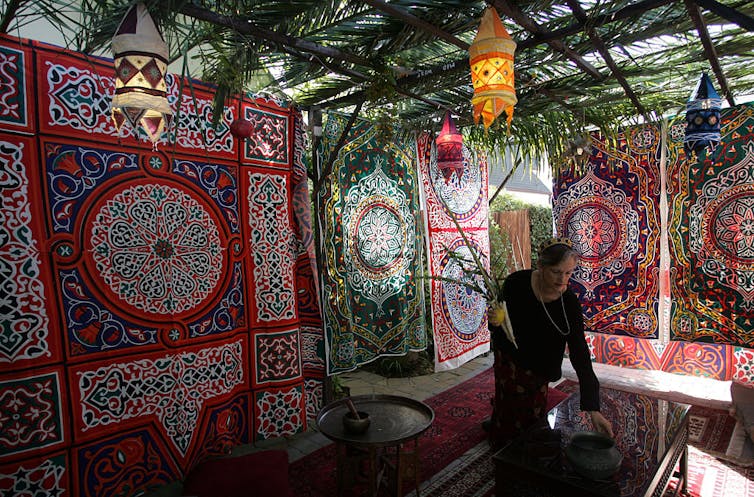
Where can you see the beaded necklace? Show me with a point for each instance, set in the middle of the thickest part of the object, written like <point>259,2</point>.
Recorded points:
<point>562,304</point>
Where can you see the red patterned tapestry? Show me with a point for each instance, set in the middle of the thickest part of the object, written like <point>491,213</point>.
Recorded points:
<point>459,315</point>
<point>712,244</point>
<point>373,302</point>
<point>611,211</point>
<point>151,315</point>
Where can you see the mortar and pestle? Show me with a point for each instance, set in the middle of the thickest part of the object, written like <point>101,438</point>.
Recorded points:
<point>355,422</point>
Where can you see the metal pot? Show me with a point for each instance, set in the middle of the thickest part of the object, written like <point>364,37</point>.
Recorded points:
<point>593,455</point>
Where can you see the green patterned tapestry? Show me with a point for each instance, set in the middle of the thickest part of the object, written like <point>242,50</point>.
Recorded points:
<point>711,234</point>
<point>373,303</point>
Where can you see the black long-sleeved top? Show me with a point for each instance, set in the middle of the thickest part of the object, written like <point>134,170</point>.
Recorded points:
<point>540,345</point>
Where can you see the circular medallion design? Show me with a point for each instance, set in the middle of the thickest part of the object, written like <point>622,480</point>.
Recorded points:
<point>721,226</point>
<point>594,230</point>
<point>462,196</point>
<point>729,225</point>
<point>604,228</point>
<point>156,247</point>
<point>642,322</point>
<point>677,131</point>
<point>380,235</point>
<point>463,307</point>
<point>643,138</point>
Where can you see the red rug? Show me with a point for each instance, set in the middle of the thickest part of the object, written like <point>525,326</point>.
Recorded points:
<point>713,477</point>
<point>459,412</point>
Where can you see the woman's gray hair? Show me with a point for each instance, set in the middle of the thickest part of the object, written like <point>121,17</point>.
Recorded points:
<point>554,254</point>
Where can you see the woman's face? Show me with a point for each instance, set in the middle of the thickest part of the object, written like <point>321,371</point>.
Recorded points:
<point>555,278</point>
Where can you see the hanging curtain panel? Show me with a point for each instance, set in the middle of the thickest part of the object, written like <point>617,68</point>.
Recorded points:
<point>459,315</point>
<point>151,315</point>
<point>310,319</point>
<point>373,301</point>
<point>711,238</point>
<point>610,209</point>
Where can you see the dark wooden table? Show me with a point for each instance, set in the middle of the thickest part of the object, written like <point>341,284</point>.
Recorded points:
<point>650,433</point>
<point>391,444</point>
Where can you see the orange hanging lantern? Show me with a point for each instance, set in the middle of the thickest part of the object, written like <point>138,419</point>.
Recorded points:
<point>449,149</point>
<point>491,59</point>
<point>141,59</point>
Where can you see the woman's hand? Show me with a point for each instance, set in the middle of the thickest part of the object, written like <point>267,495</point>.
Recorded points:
<point>601,424</point>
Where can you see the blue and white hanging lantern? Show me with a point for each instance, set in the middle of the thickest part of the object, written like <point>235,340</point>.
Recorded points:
<point>702,118</point>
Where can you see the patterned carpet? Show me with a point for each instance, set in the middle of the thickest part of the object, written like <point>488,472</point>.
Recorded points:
<point>445,446</point>
<point>456,453</point>
<point>711,431</point>
<point>459,413</point>
<point>475,477</point>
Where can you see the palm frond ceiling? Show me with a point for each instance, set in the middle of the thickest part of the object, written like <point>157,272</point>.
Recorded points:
<point>579,63</point>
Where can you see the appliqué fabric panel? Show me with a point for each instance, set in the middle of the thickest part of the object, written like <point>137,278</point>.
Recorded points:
<point>169,390</point>
<point>272,246</point>
<point>698,359</point>
<point>191,128</point>
<point>117,464</point>
<point>49,473</point>
<point>134,265</point>
<point>625,351</point>
<point>29,329</point>
<point>269,141</point>
<point>16,91</point>
<point>279,411</point>
<point>373,303</point>
<point>711,240</point>
<point>459,316</point>
<point>610,211</point>
<point>276,356</point>
<point>33,407</point>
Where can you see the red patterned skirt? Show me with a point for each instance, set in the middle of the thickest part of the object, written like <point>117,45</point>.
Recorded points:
<point>520,400</point>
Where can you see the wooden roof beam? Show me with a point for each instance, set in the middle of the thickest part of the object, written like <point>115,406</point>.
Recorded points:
<point>512,11</point>
<point>728,13</point>
<point>411,19</point>
<point>598,20</point>
<point>599,44</point>
<point>536,39</point>
<point>247,28</point>
<point>709,49</point>
<point>292,44</point>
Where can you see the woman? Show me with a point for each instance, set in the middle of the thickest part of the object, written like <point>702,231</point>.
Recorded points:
<point>545,316</point>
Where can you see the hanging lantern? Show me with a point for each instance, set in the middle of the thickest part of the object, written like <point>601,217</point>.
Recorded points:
<point>449,149</point>
<point>141,58</point>
<point>702,118</point>
<point>491,59</point>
